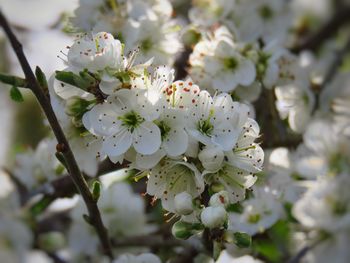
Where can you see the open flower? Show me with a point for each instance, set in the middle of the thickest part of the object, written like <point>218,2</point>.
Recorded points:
<point>125,119</point>
<point>259,213</point>
<point>173,135</point>
<point>170,178</point>
<point>95,52</point>
<point>220,59</point>
<point>217,121</point>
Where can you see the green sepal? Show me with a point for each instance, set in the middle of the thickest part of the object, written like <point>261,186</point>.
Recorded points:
<point>242,240</point>
<point>184,230</point>
<point>72,79</point>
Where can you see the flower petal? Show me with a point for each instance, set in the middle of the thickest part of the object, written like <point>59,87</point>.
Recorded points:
<point>146,138</point>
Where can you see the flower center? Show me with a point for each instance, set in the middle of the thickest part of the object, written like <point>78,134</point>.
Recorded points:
<point>230,63</point>
<point>254,218</point>
<point>205,127</point>
<point>262,64</point>
<point>146,45</point>
<point>132,120</point>
<point>266,12</point>
<point>164,129</point>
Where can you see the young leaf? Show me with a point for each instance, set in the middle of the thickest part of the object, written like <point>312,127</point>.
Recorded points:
<point>96,190</point>
<point>16,94</point>
<point>40,76</point>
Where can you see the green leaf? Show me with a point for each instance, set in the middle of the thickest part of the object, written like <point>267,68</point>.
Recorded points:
<point>237,208</point>
<point>268,250</point>
<point>242,240</point>
<point>41,205</point>
<point>96,190</point>
<point>40,76</point>
<point>16,94</point>
<point>280,232</point>
<point>13,80</point>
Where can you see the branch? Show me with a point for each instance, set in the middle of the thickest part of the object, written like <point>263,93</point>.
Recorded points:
<point>340,18</point>
<point>302,252</point>
<point>332,70</point>
<point>149,241</point>
<point>63,145</point>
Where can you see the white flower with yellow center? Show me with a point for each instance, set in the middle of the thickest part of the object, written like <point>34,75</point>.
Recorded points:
<point>170,178</point>
<point>174,138</point>
<point>259,213</point>
<point>125,120</point>
<point>217,121</point>
<point>220,59</point>
<point>95,52</point>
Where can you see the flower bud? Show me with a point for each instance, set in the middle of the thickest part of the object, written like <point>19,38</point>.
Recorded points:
<point>183,203</point>
<point>220,199</point>
<point>211,158</point>
<point>213,217</point>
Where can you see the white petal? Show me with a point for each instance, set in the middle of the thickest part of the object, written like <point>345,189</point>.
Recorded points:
<point>149,161</point>
<point>176,142</point>
<point>101,120</point>
<point>248,160</point>
<point>110,86</point>
<point>146,138</point>
<point>117,144</point>
<point>225,136</point>
<point>246,73</point>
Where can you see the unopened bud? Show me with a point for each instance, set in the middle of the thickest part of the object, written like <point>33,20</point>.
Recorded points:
<point>183,203</point>
<point>211,158</point>
<point>220,199</point>
<point>213,217</point>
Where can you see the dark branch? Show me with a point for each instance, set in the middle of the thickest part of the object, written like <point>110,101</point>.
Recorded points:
<point>63,145</point>
<point>332,70</point>
<point>340,18</point>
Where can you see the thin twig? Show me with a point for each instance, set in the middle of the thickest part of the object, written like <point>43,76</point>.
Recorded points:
<point>149,241</point>
<point>63,145</point>
<point>302,252</point>
<point>332,71</point>
<point>340,18</point>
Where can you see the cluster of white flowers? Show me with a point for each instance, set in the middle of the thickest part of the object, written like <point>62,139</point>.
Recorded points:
<point>147,24</point>
<point>182,137</point>
<point>192,142</point>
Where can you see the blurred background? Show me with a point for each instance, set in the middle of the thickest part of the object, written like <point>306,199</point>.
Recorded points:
<point>39,25</point>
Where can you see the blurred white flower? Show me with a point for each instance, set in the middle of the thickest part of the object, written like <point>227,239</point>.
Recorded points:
<point>326,205</point>
<point>142,258</point>
<point>34,168</point>
<point>259,213</point>
<point>29,13</point>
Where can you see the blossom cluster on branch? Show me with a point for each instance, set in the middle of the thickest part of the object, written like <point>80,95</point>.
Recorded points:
<point>204,130</point>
